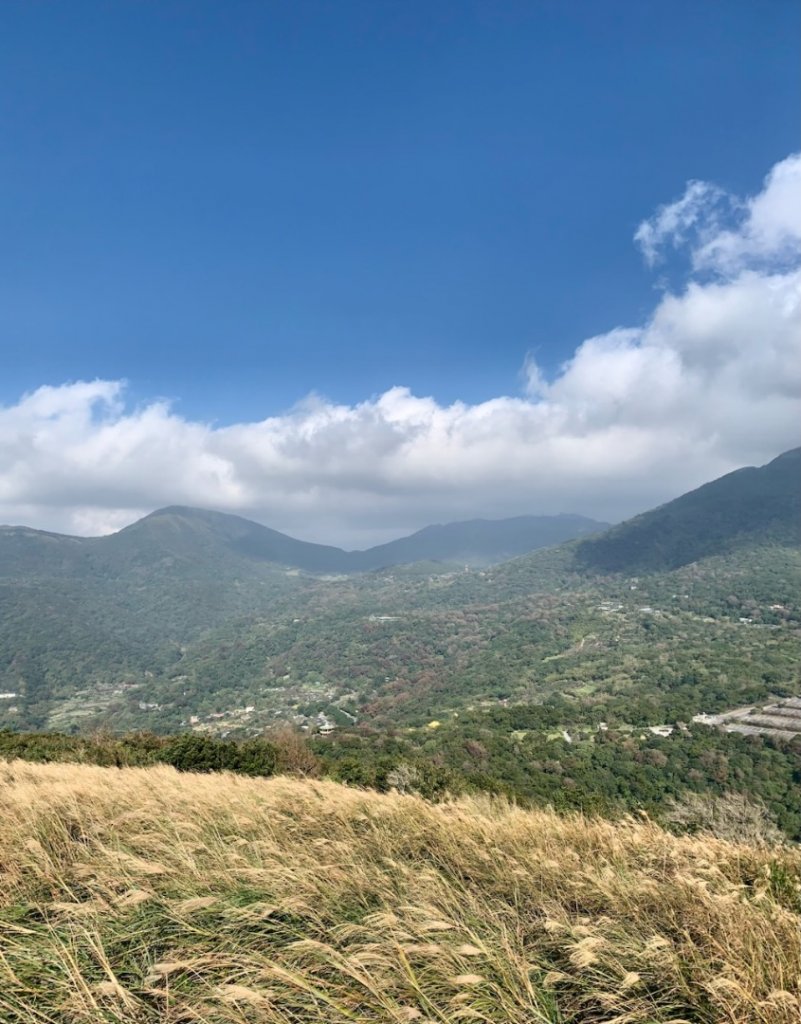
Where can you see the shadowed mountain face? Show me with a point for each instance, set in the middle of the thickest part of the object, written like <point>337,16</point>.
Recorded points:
<point>743,508</point>
<point>193,540</point>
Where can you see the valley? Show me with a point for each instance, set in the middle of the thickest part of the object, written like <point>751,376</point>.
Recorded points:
<point>400,513</point>
<point>541,659</point>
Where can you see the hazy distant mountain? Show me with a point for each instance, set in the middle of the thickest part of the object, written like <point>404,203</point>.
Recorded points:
<point>192,540</point>
<point>742,508</point>
<point>202,536</point>
<point>478,541</point>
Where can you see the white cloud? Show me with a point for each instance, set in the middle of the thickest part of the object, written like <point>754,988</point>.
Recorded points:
<point>725,234</point>
<point>697,212</point>
<point>769,233</point>
<point>710,382</point>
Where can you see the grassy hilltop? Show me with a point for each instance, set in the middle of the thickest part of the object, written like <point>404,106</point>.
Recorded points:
<point>141,895</point>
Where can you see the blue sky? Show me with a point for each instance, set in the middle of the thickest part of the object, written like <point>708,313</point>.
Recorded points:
<point>233,205</point>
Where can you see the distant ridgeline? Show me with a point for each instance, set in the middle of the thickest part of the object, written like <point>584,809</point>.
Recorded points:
<point>205,622</point>
<point>213,540</point>
<point>745,507</point>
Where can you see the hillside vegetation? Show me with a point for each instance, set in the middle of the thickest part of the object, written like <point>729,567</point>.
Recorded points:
<point>183,620</point>
<point>142,895</point>
<point>180,536</point>
<point>749,505</point>
<point>87,621</point>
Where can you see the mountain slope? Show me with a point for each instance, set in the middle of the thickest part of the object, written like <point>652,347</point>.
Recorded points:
<point>200,535</point>
<point>748,506</point>
<point>196,541</point>
<point>478,542</point>
<point>26,553</point>
<point>82,619</point>
<point>188,615</point>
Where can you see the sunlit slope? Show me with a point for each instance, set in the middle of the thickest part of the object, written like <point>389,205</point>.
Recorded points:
<point>140,895</point>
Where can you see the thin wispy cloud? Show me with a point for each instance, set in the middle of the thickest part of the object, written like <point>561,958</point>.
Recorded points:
<point>696,214</point>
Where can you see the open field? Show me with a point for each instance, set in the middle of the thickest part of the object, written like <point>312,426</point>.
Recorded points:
<point>141,895</point>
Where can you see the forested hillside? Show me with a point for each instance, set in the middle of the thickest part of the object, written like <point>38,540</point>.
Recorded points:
<point>747,506</point>
<point>539,677</point>
<point>180,632</point>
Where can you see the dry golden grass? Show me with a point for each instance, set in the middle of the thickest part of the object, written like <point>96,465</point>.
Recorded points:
<point>142,895</point>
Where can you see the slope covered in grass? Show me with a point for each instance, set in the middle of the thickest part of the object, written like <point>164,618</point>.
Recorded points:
<point>141,895</point>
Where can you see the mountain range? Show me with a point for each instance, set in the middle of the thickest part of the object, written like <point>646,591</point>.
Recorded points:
<point>188,612</point>
<point>746,504</point>
<point>198,536</point>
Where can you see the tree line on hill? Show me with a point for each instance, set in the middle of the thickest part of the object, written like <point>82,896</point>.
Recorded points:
<point>609,773</point>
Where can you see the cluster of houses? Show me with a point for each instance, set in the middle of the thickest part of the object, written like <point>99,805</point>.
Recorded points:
<point>221,722</point>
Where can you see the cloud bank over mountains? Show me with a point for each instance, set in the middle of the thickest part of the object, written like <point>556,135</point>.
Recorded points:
<point>710,382</point>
